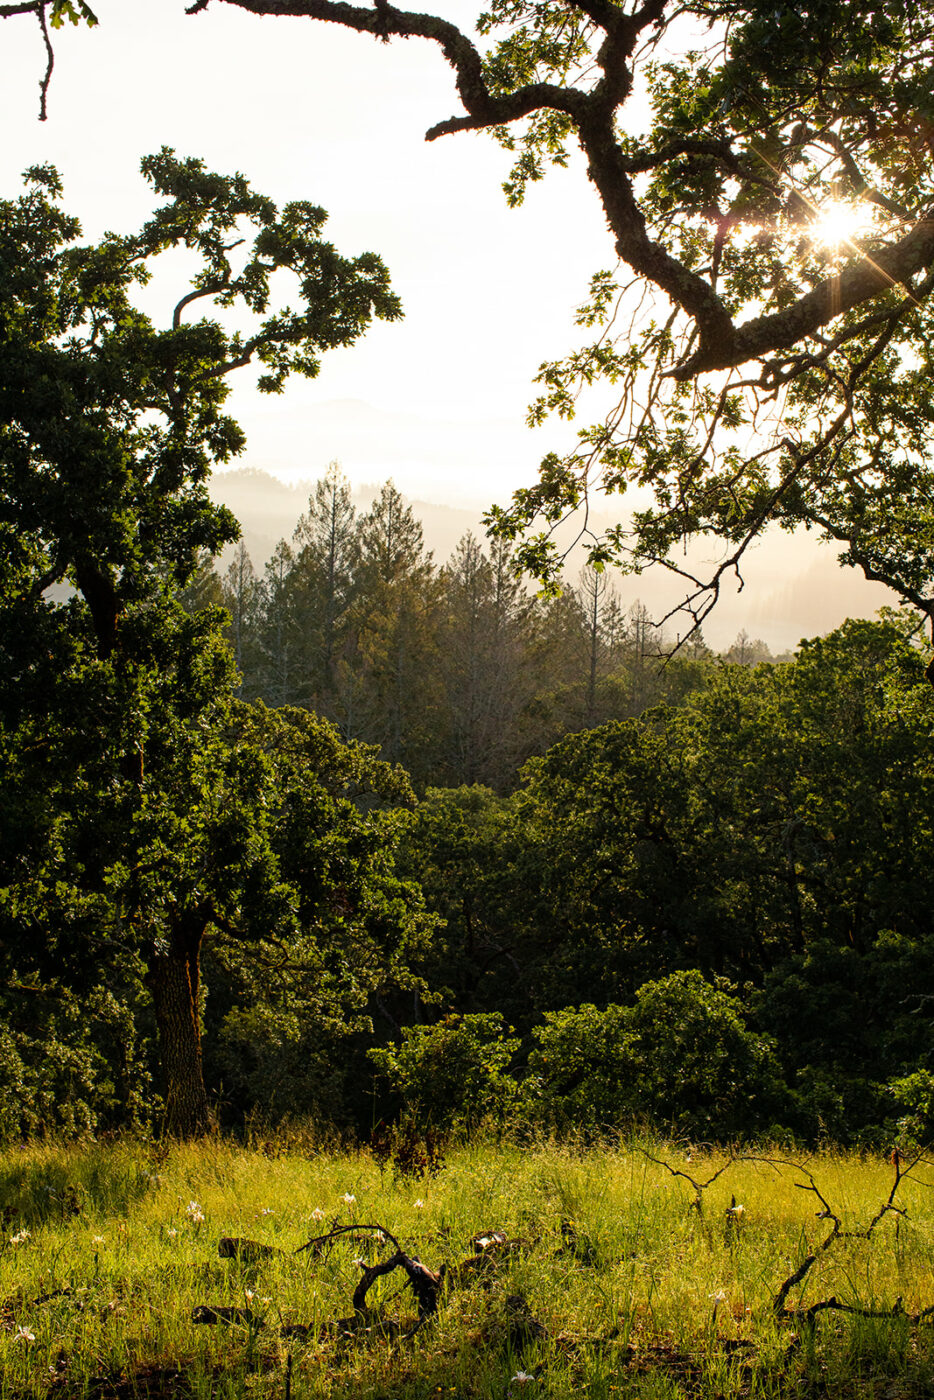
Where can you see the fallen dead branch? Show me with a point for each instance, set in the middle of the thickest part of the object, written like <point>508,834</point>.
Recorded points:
<point>699,1186</point>
<point>903,1167</point>
<point>426,1284</point>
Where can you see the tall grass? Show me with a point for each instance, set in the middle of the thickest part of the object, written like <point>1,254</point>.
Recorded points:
<point>107,1249</point>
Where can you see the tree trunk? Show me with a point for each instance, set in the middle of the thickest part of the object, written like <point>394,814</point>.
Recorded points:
<point>173,980</point>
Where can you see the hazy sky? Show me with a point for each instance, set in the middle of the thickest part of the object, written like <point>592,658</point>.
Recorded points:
<point>311,111</point>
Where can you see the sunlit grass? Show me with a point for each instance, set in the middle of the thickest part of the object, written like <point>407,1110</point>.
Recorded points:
<point>639,1292</point>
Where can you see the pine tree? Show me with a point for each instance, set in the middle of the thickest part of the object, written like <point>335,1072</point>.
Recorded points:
<point>388,674</point>
<point>241,597</point>
<point>322,584</point>
<point>277,633</point>
<point>482,663</point>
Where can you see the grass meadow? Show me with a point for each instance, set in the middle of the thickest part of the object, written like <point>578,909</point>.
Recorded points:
<point>611,1282</point>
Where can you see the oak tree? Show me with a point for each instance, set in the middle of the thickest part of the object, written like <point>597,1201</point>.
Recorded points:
<point>142,809</point>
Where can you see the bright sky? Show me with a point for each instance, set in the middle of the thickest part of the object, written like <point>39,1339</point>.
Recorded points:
<point>309,111</point>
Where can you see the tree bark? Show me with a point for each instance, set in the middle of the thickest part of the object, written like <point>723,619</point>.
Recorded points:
<point>174,983</point>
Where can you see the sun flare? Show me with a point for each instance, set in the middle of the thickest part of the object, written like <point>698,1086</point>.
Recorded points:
<point>836,224</point>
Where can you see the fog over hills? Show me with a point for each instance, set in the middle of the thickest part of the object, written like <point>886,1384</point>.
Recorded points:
<point>793,587</point>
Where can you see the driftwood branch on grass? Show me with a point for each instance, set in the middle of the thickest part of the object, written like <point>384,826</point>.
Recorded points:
<point>903,1166</point>
<point>426,1284</point>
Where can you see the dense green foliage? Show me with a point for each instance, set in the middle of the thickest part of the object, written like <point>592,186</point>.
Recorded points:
<point>710,913</point>
<point>680,1056</point>
<point>774,830</point>
<point>451,1074</point>
<point>147,814</point>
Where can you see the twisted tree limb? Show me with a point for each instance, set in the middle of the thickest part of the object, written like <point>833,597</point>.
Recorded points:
<point>721,342</point>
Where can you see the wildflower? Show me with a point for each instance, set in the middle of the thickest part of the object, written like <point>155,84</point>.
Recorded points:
<point>171,1232</point>
<point>360,1263</point>
<point>249,1295</point>
<point>522,1378</point>
<point>317,1213</point>
<point>21,1238</point>
<point>98,1239</point>
<point>348,1199</point>
<point>736,1211</point>
<point>266,1211</point>
<point>419,1204</point>
<point>718,1297</point>
<point>195,1213</point>
<point>24,1334</point>
<point>265,1301</point>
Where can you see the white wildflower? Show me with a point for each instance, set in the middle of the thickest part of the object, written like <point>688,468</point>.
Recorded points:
<point>419,1204</point>
<point>317,1213</point>
<point>249,1295</point>
<point>348,1199</point>
<point>736,1211</point>
<point>195,1213</point>
<point>522,1378</point>
<point>719,1297</point>
<point>266,1211</point>
<point>171,1232</point>
<point>21,1238</point>
<point>24,1334</point>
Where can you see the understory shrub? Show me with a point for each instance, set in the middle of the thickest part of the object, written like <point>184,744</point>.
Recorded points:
<point>682,1057</point>
<point>450,1075</point>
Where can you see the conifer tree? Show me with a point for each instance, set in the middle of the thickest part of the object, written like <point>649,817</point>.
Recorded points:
<point>482,663</point>
<point>278,640</point>
<point>241,596</point>
<point>389,677</point>
<point>323,584</point>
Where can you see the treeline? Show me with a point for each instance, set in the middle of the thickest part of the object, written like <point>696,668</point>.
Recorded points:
<point>453,670</point>
<point>715,917</point>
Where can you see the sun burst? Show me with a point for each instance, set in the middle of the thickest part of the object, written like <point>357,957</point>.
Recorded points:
<point>837,224</point>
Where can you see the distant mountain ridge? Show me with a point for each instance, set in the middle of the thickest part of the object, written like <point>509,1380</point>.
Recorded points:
<point>268,510</point>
